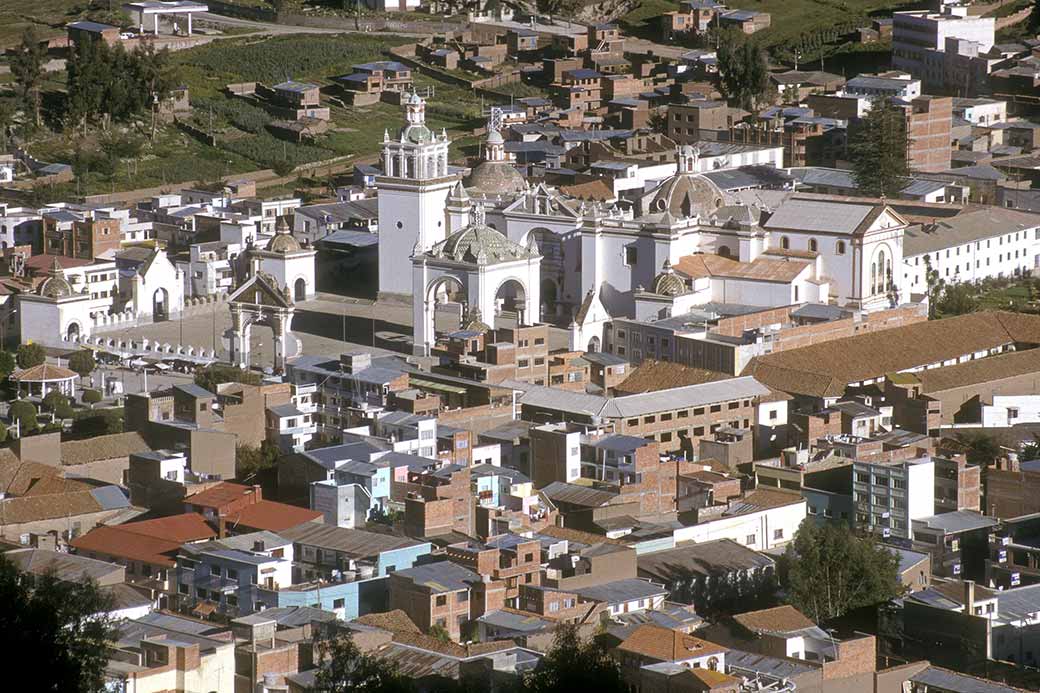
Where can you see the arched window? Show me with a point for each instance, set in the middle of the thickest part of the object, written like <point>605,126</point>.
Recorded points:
<point>880,284</point>
<point>812,244</point>
<point>873,276</point>
<point>839,248</point>
<point>785,242</point>
<point>713,663</point>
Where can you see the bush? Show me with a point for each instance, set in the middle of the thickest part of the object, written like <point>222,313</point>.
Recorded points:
<point>91,396</point>
<point>58,404</point>
<point>83,363</point>
<point>97,422</point>
<point>7,363</point>
<point>24,414</point>
<point>30,355</point>
<point>211,376</point>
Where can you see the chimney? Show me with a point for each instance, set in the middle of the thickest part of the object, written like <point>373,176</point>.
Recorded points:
<point>969,597</point>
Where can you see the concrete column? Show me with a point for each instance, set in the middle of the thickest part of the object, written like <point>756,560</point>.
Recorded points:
<point>189,24</point>
<point>155,23</point>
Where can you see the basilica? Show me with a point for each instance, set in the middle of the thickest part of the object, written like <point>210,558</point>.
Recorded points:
<point>492,243</point>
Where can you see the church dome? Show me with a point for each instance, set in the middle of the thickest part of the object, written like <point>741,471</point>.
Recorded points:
<point>417,134</point>
<point>685,195</point>
<point>283,243</point>
<point>56,287</point>
<point>495,178</point>
<point>479,244</point>
<point>668,283</point>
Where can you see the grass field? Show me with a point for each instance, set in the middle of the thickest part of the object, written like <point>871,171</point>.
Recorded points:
<point>243,144</point>
<point>791,19</point>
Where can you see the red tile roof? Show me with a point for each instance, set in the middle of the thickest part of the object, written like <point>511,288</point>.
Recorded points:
<point>220,495</point>
<point>182,528</point>
<point>152,541</point>
<point>116,541</point>
<point>272,516</point>
<point>45,372</point>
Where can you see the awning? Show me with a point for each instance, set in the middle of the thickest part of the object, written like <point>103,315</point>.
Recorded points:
<point>437,387</point>
<point>204,609</point>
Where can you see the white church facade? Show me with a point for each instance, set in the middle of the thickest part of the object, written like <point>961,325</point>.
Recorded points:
<point>597,261</point>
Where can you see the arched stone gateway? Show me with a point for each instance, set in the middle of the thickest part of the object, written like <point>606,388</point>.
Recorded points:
<point>479,268</point>
<point>258,301</point>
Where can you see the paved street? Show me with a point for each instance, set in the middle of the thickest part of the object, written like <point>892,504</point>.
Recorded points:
<point>327,324</point>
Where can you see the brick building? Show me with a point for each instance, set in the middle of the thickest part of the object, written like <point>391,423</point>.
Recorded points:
<point>505,563</point>
<point>435,594</point>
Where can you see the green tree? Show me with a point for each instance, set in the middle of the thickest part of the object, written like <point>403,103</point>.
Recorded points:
<point>877,150</point>
<point>8,111</point>
<point>979,448</point>
<point>82,362</point>
<point>830,571</point>
<point>347,669</point>
<point>573,664</point>
<point>97,422</point>
<point>24,414</point>
<point>957,298</point>
<point>210,377</point>
<point>27,69</point>
<point>91,397</point>
<point>61,626</point>
<point>1034,19</point>
<point>250,460</point>
<point>743,71</point>
<point>7,363</point>
<point>30,355</point>
<point>439,632</point>
<point>58,404</point>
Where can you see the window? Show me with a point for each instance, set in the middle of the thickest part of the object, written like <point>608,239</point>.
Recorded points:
<point>666,437</point>
<point>523,363</point>
<point>339,603</point>
<point>699,431</point>
<point>182,588</point>
<point>631,255</point>
<point>812,245</point>
<point>699,411</point>
<point>462,597</point>
<point>750,539</point>
<point>232,600</point>
<point>441,600</point>
<point>716,408</point>
<point>732,405</point>
<point>649,419</point>
<point>633,422</point>
<point>772,414</point>
<point>839,248</point>
<point>785,242</point>
<point>778,534</point>
<point>666,417</point>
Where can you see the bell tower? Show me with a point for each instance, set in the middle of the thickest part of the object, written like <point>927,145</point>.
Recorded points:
<point>412,192</point>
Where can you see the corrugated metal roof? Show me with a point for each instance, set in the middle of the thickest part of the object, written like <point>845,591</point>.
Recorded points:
<point>819,215</point>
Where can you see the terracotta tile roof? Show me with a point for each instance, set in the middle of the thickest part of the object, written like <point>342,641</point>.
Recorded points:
<point>182,528</point>
<point>18,478</point>
<point>272,516</point>
<point>762,269</point>
<point>577,535</point>
<point>103,448</point>
<point>34,508</point>
<point>986,370</point>
<point>153,541</point>
<point>395,621</point>
<point>218,496</point>
<point>651,376</point>
<point>45,262</point>
<point>666,645</point>
<point>823,370</point>
<point>45,372</point>
<point>780,619</point>
<point>116,541</point>
<point>713,679</point>
<point>592,190</point>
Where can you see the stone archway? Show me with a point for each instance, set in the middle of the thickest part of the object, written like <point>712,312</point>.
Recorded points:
<point>443,290</point>
<point>511,301</point>
<point>550,246</point>
<point>258,301</point>
<point>160,305</point>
